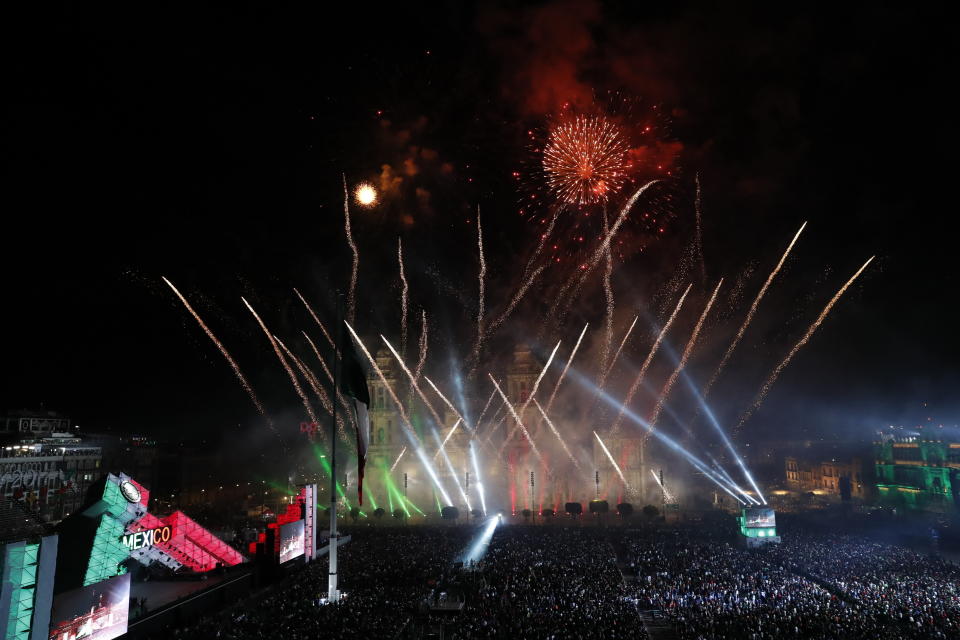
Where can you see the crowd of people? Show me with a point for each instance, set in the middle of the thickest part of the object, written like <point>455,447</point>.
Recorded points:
<point>555,582</point>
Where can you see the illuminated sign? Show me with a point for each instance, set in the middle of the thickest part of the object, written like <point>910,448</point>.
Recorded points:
<point>147,538</point>
<point>130,491</point>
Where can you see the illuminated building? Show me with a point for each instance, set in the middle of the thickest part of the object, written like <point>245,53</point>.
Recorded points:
<point>918,474</point>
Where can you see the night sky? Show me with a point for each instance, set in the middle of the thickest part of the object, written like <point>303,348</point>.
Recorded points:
<point>207,145</point>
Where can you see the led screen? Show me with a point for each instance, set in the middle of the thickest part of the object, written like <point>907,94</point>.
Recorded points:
<point>96,612</point>
<point>760,518</point>
<point>291,541</point>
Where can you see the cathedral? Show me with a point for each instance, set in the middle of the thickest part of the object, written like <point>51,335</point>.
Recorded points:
<point>515,474</point>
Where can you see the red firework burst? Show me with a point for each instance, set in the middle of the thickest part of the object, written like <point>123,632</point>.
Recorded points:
<point>586,160</point>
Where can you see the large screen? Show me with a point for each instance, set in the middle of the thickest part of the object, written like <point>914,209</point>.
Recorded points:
<point>96,612</point>
<point>760,518</point>
<point>291,541</point>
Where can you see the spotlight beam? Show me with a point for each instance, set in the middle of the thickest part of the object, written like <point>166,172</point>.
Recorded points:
<point>557,433</point>
<point>513,412</point>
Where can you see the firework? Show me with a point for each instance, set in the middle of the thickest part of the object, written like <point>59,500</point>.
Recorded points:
<point>404,292</point>
<point>666,494</point>
<point>566,367</point>
<point>397,461</point>
<point>691,343</point>
<point>448,403</point>
<point>347,407</point>
<point>608,294</point>
<point>518,296</point>
<point>484,411</point>
<point>646,363</point>
<point>609,369</point>
<point>323,329</point>
<point>553,428</point>
<point>413,382</point>
<point>226,354</point>
<point>450,433</point>
<point>578,278</point>
<point>585,160</point>
<point>533,392</point>
<point>423,345</point>
<point>481,302</point>
<point>355,265</point>
<point>286,365</point>
<point>698,210</point>
<point>612,461</point>
<point>753,310</point>
<point>765,389</point>
<point>365,194</point>
<point>513,413</point>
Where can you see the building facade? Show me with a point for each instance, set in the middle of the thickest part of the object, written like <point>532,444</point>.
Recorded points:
<point>918,474</point>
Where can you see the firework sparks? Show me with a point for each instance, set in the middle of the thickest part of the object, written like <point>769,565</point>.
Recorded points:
<point>666,494</point>
<point>423,345</point>
<point>413,382</point>
<point>533,392</point>
<point>404,292</point>
<point>646,363</point>
<point>612,461</point>
<point>355,265</point>
<point>577,279</point>
<point>223,350</point>
<point>513,413</point>
<point>484,411</point>
<point>609,369</point>
<point>698,210</point>
<point>765,389</point>
<point>286,365</point>
<point>691,343</point>
<point>752,312</point>
<point>365,194</point>
<point>450,433</point>
<point>448,403</point>
<point>347,408</point>
<point>516,298</point>
<point>323,329</point>
<point>585,160</point>
<point>553,428</point>
<point>397,461</point>
<point>481,302</point>
<point>566,367</point>
<point>608,294</point>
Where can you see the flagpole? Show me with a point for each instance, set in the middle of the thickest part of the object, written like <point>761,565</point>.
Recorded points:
<point>332,594</point>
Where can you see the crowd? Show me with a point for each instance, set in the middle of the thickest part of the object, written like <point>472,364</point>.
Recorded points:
<point>555,583</point>
<point>549,583</point>
<point>811,586</point>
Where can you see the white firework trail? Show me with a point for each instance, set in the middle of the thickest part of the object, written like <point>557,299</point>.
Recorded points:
<point>223,350</point>
<point>691,343</point>
<point>513,412</point>
<point>423,345</point>
<point>612,461</point>
<point>484,411</point>
<point>411,433</point>
<point>449,433</point>
<point>698,209</point>
<point>666,494</point>
<point>323,329</point>
<point>481,298</point>
<point>355,266</point>
<point>557,433</point>
<point>347,407</point>
<point>533,392</point>
<point>577,280</point>
<point>765,389</point>
<point>518,296</point>
<point>448,403</point>
<point>646,363</point>
<point>608,294</point>
<point>752,312</point>
<point>609,369</point>
<point>286,365</point>
<point>413,383</point>
<point>397,461</point>
<point>404,292</point>
<point>566,367</point>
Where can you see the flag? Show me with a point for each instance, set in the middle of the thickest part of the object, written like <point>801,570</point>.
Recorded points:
<point>353,384</point>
